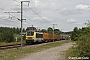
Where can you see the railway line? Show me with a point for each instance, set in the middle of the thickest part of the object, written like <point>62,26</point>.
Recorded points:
<point>16,46</point>
<point>10,46</point>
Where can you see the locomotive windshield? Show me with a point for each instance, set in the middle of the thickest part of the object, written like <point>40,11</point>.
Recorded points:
<point>30,33</point>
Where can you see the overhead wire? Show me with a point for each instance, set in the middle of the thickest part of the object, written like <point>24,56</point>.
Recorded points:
<point>34,12</point>
<point>24,16</point>
<point>9,17</point>
<point>11,14</point>
<point>31,10</point>
<point>12,17</point>
<point>28,18</point>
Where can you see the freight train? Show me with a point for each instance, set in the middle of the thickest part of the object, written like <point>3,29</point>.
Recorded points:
<point>33,36</point>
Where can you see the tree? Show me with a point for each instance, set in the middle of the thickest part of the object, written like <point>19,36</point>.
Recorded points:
<point>50,30</point>
<point>18,30</point>
<point>88,24</point>
<point>82,37</point>
<point>23,30</point>
<point>8,36</point>
<point>57,31</point>
<point>75,34</point>
<point>43,30</point>
<point>0,37</point>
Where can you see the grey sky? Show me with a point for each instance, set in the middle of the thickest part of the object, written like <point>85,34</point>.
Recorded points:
<point>67,14</point>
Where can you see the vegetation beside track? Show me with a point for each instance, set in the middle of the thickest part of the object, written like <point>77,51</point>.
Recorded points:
<point>13,54</point>
<point>9,35</point>
<point>82,49</point>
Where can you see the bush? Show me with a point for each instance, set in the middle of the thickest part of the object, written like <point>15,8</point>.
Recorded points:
<point>83,44</point>
<point>82,36</point>
<point>7,36</point>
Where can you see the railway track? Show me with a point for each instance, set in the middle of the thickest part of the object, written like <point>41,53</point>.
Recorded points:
<point>10,46</point>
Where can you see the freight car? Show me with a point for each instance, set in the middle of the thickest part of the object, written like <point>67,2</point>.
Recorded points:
<point>65,37</point>
<point>32,37</point>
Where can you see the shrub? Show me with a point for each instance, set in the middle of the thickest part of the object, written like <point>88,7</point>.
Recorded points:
<point>82,36</point>
<point>83,44</point>
<point>7,36</point>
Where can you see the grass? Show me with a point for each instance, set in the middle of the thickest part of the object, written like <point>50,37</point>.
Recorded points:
<point>72,52</point>
<point>4,43</point>
<point>13,54</point>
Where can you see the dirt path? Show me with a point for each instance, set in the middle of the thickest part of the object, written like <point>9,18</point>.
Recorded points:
<point>56,53</point>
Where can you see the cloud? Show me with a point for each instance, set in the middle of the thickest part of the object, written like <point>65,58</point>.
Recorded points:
<point>36,2</point>
<point>79,23</point>
<point>71,21</point>
<point>81,6</point>
<point>40,19</point>
<point>54,11</point>
<point>64,9</point>
<point>55,6</point>
<point>4,16</point>
<point>79,9</point>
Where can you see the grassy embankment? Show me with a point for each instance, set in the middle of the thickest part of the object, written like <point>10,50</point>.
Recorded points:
<point>71,52</point>
<point>12,54</point>
<point>81,50</point>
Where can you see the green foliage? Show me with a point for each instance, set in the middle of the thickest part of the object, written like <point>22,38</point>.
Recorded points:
<point>24,37</point>
<point>79,32</point>
<point>75,34</point>
<point>14,30</point>
<point>50,30</point>
<point>83,44</point>
<point>82,36</point>
<point>43,30</point>
<point>88,24</point>
<point>57,31</point>
<point>7,34</point>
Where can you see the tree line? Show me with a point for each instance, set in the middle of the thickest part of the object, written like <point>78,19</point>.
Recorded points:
<point>7,33</point>
<point>56,31</point>
<point>50,30</point>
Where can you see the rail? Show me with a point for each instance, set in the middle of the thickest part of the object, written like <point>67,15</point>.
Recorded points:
<point>3,47</point>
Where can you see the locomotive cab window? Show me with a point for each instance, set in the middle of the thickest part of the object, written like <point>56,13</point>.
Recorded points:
<point>39,35</point>
<point>30,33</point>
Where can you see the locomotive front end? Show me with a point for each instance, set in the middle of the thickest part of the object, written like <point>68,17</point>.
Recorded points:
<point>30,37</point>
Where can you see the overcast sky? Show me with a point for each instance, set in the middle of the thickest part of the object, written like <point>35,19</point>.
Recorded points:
<point>66,14</point>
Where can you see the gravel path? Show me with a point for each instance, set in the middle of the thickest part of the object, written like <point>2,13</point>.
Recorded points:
<point>56,53</point>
